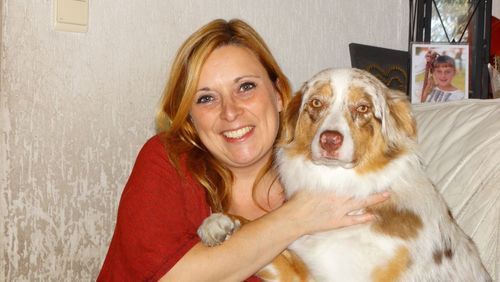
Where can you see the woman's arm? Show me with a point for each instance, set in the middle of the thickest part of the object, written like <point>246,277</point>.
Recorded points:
<point>259,242</point>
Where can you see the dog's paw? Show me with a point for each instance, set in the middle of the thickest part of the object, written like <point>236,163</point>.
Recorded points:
<point>217,228</point>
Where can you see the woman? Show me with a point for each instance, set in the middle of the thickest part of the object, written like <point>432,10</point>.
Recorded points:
<point>218,123</point>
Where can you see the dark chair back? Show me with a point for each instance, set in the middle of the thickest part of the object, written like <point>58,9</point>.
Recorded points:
<point>388,65</point>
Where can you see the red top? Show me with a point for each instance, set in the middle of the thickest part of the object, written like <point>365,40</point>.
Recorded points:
<point>158,215</point>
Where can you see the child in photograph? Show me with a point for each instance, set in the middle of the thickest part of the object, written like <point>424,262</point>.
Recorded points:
<point>439,87</point>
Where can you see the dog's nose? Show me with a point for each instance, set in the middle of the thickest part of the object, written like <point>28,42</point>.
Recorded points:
<point>331,140</point>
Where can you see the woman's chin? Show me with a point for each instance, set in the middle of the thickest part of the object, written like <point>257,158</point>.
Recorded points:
<point>247,160</point>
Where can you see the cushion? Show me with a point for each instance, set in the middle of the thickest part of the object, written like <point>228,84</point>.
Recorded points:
<point>459,144</point>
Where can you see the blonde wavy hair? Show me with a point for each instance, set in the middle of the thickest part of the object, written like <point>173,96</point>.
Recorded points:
<point>172,119</point>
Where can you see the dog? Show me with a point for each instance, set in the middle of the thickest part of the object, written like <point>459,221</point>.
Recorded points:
<point>346,132</point>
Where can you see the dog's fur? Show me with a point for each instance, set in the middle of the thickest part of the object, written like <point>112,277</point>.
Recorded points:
<point>348,133</point>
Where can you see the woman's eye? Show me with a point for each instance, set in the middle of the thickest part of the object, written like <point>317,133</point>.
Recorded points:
<point>203,99</point>
<point>246,86</point>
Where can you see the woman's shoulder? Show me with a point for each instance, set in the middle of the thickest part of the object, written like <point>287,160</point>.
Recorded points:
<point>155,149</point>
<point>154,144</point>
<point>154,174</point>
<point>154,155</point>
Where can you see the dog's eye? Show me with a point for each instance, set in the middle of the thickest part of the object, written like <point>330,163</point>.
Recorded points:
<point>362,109</point>
<point>316,103</point>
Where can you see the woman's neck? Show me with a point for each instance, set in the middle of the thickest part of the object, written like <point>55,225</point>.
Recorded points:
<point>250,202</point>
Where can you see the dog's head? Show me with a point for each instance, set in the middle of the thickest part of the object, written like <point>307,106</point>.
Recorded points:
<point>348,118</point>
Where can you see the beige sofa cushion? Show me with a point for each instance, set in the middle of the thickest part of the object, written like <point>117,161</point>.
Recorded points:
<point>460,149</point>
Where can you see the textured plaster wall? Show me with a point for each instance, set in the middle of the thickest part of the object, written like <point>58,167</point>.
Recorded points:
<point>495,8</point>
<point>76,108</point>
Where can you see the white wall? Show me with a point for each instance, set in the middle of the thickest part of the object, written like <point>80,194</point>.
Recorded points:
<point>76,108</point>
<point>495,8</point>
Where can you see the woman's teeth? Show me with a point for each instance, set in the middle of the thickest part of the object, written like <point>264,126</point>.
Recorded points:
<point>237,133</point>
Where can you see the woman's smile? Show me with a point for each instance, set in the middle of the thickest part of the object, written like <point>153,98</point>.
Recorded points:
<point>238,134</point>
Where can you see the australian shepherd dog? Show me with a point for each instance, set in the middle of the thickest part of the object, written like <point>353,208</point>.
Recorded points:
<point>346,132</point>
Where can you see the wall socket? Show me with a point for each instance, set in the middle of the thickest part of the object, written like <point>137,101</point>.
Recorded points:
<point>71,15</point>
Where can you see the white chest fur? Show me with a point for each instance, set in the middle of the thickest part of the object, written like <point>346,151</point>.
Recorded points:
<point>350,254</point>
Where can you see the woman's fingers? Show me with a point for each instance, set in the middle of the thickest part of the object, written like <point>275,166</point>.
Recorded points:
<point>326,211</point>
<point>353,204</point>
<point>358,219</point>
<point>356,214</point>
<point>371,200</point>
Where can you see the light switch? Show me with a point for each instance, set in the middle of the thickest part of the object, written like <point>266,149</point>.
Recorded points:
<point>71,15</point>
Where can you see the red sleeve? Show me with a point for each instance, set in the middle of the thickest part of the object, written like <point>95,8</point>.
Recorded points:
<point>158,215</point>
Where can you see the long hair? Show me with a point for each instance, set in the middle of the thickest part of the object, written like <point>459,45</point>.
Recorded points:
<point>172,118</point>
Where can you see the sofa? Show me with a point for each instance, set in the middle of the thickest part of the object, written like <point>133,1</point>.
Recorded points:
<point>459,144</point>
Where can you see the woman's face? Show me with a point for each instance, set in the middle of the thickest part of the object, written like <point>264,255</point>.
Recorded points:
<point>236,108</point>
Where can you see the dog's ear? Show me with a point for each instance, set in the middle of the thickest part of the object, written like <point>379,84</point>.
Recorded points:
<point>398,122</point>
<point>292,111</point>
<point>400,111</point>
<point>393,109</point>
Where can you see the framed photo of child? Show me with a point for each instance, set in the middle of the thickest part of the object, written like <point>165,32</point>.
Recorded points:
<point>439,72</point>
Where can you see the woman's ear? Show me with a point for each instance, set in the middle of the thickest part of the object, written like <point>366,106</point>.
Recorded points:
<point>279,97</point>
<point>279,100</point>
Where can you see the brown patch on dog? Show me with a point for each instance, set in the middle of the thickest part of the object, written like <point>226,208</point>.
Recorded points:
<point>300,126</point>
<point>371,152</point>
<point>286,267</point>
<point>438,255</point>
<point>322,92</point>
<point>291,116</point>
<point>395,222</point>
<point>393,270</point>
<point>448,253</point>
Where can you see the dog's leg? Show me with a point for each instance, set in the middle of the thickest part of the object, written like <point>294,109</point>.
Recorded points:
<point>217,228</point>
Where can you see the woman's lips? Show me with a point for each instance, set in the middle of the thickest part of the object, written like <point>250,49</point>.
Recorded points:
<point>238,133</point>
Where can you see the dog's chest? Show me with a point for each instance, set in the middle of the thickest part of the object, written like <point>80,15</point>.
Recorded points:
<point>353,252</point>
<point>298,173</point>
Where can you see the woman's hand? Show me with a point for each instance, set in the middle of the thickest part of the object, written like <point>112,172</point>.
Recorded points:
<point>315,212</point>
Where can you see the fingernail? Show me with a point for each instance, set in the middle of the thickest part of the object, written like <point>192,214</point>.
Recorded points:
<point>386,194</point>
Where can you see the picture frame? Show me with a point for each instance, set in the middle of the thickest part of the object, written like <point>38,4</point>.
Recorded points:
<point>439,72</point>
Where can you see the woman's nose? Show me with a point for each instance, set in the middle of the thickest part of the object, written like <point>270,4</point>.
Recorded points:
<point>230,109</point>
